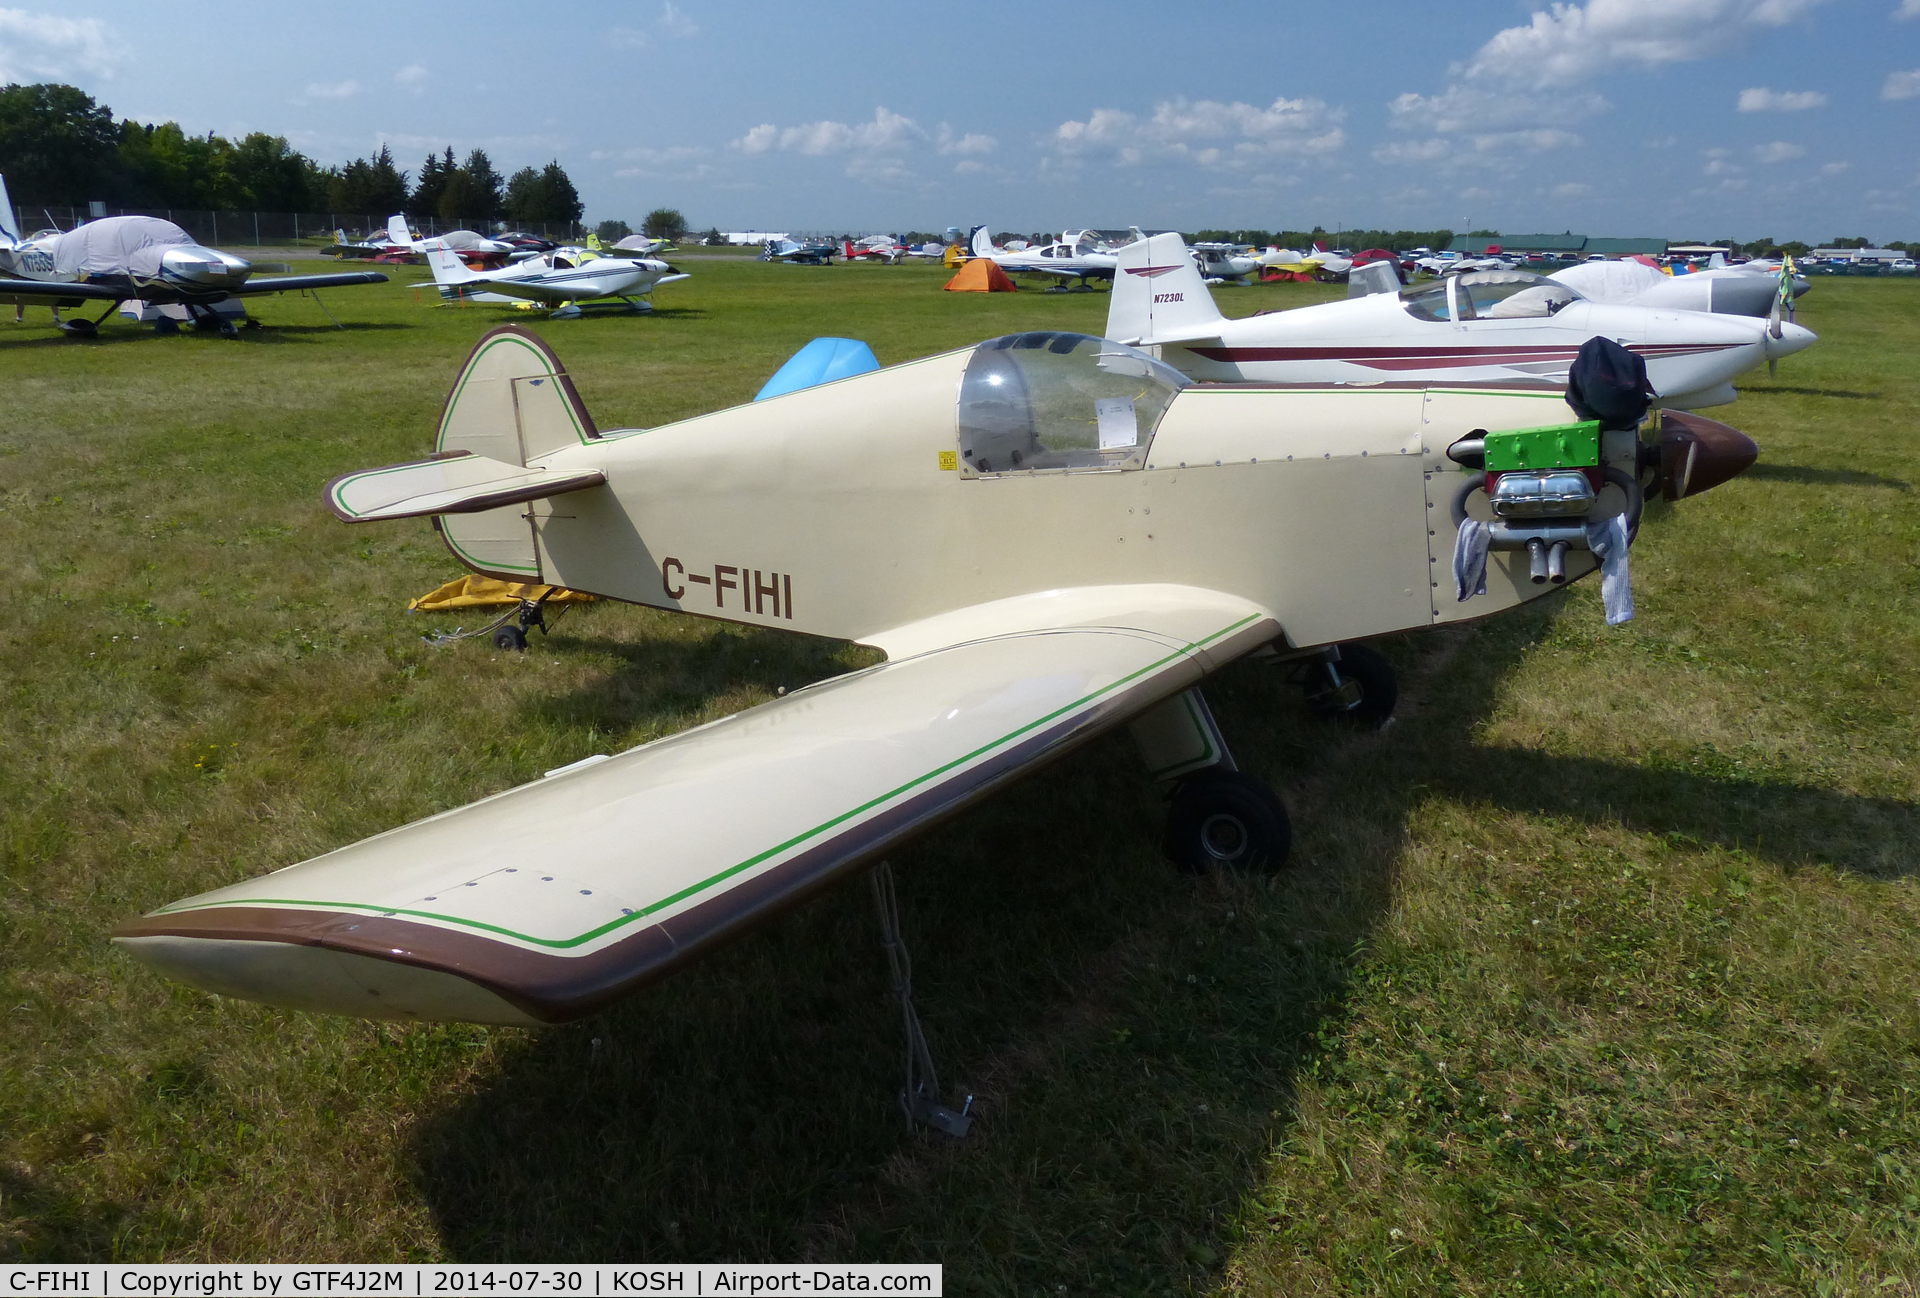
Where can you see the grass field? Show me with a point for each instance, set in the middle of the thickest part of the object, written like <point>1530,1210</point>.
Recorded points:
<point>1594,974</point>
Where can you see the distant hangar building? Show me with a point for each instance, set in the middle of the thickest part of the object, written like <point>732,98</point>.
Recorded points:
<point>1563,247</point>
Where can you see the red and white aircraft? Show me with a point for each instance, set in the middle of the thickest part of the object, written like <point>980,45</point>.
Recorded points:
<point>1477,327</point>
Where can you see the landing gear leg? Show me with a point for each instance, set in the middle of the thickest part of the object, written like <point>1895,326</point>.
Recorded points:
<point>919,1094</point>
<point>1219,816</point>
<point>1353,683</point>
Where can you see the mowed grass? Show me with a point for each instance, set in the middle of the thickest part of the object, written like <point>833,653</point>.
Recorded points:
<point>1593,974</point>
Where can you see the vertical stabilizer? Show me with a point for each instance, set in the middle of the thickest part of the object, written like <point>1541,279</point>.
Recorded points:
<point>397,233</point>
<point>980,243</point>
<point>512,402</point>
<point>8,230</point>
<point>447,267</point>
<point>1158,295</point>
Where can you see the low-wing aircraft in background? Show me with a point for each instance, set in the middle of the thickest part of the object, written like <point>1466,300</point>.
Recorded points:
<point>1074,257</point>
<point>1229,263</point>
<point>1631,282</point>
<point>473,248</point>
<point>875,247</point>
<point>640,245</point>
<point>346,248</point>
<point>135,259</point>
<point>1069,546</point>
<point>811,253</point>
<point>556,280</point>
<point>1479,326</point>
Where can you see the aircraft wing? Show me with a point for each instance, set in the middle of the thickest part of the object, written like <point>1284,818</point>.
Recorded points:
<point>293,283</point>
<point>68,294</point>
<point>543,903</point>
<point>515,290</point>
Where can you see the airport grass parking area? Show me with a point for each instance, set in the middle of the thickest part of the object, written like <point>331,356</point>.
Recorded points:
<point>1594,973</point>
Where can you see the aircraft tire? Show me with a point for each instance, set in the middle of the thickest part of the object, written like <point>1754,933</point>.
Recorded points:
<point>1227,820</point>
<point>511,638</point>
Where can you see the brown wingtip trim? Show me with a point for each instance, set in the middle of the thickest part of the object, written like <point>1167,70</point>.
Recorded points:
<point>557,988</point>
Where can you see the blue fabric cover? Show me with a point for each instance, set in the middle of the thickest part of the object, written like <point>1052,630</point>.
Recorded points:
<point>820,361</point>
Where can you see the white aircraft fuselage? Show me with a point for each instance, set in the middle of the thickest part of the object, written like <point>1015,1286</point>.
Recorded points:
<point>1477,327</point>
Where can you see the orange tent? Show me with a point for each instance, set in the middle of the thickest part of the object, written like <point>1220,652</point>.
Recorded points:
<point>981,275</point>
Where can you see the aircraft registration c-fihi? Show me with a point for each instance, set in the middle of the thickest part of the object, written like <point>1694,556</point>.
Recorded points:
<point>1089,535</point>
<point>135,259</point>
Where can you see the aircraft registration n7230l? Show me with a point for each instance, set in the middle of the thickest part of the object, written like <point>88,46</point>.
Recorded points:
<point>1048,535</point>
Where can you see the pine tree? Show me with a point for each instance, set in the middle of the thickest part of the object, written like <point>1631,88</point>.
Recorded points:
<point>435,172</point>
<point>563,200</point>
<point>486,186</point>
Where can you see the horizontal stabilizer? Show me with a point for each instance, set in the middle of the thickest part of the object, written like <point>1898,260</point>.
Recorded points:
<point>453,484</point>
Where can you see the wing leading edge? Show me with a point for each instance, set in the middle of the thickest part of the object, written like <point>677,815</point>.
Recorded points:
<point>545,902</point>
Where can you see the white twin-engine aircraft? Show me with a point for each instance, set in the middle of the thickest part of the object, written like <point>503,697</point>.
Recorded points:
<point>1071,545</point>
<point>1477,327</point>
<point>558,280</point>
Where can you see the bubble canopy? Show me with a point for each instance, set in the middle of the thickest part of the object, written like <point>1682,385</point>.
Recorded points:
<point>1035,402</point>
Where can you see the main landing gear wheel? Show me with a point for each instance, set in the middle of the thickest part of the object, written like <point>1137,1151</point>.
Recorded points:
<point>1360,688</point>
<point>1227,820</point>
<point>510,637</point>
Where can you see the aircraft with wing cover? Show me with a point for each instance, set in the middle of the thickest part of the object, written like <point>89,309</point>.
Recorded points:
<point>1475,327</point>
<point>1070,546</point>
<point>121,259</point>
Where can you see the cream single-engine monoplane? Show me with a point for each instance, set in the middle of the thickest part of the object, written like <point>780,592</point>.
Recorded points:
<point>1048,535</point>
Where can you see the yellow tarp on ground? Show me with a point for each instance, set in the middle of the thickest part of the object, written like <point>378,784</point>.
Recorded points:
<point>473,591</point>
<point>981,275</point>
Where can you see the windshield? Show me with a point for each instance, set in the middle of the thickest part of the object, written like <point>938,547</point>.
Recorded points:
<point>1487,295</point>
<point>1038,401</point>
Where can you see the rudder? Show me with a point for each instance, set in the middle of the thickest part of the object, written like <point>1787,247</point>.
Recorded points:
<point>514,403</point>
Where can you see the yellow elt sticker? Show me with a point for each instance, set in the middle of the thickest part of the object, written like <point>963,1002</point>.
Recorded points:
<point>950,461</point>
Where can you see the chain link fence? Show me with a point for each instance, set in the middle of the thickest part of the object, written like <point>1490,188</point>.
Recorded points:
<point>275,229</point>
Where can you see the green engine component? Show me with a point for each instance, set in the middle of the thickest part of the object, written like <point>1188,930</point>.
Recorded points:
<point>1556,446</point>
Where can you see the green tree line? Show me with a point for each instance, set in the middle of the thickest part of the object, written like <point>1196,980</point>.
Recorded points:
<point>58,146</point>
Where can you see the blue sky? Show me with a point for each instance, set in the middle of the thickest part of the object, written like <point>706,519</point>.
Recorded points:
<point>1665,118</point>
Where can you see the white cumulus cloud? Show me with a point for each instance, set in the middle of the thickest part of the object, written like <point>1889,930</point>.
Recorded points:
<point>1573,42</point>
<point>1901,85</point>
<point>41,47</point>
<point>1206,131</point>
<point>888,130</point>
<point>1779,151</point>
<point>1758,100</point>
<point>1908,9</point>
<point>413,77</point>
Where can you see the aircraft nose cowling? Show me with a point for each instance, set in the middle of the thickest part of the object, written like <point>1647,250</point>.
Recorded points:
<point>1697,453</point>
<point>205,268</point>
<point>1790,339</point>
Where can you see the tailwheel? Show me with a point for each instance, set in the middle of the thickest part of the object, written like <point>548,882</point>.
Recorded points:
<point>1223,819</point>
<point>1355,683</point>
